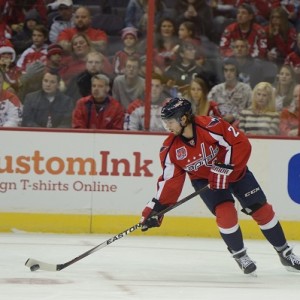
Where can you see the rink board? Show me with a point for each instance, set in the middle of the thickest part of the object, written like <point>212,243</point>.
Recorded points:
<point>88,182</point>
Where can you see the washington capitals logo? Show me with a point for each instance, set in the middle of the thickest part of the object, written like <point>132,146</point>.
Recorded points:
<point>213,122</point>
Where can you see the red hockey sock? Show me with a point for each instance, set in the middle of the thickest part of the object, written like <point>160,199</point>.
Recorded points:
<point>265,216</point>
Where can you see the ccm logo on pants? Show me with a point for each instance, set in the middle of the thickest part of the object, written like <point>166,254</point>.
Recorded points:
<point>252,192</point>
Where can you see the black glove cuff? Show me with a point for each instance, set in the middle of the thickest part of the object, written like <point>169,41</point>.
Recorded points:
<point>158,206</point>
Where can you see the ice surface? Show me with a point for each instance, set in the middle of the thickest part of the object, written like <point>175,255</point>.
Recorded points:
<point>135,267</point>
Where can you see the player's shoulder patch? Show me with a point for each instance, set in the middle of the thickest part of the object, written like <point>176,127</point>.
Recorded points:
<point>181,153</point>
<point>213,122</point>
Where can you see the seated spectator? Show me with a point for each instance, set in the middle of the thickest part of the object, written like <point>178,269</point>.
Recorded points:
<point>252,70</point>
<point>143,68</point>
<point>31,80</point>
<point>261,118</point>
<point>10,71</point>
<point>289,117</point>
<point>184,68</point>
<point>187,34</point>
<point>98,110</point>
<point>23,38</point>
<point>197,93</point>
<point>231,95</point>
<point>135,118</point>
<point>10,107</point>
<point>198,12</point>
<point>284,87</point>
<point>165,43</point>
<point>281,36</point>
<point>244,27</point>
<point>5,29</point>
<point>82,25</point>
<point>17,10</point>
<point>129,86</point>
<point>74,63</point>
<point>262,9</point>
<point>64,19</point>
<point>54,58</point>
<point>293,59</point>
<point>37,51</point>
<point>292,9</point>
<point>224,13</point>
<point>130,40</point>
<point>48,107</point>
<point>80,86</point>
<point>136,14</point>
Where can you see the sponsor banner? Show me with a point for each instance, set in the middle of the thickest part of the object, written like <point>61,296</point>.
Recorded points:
<point>108,174</point>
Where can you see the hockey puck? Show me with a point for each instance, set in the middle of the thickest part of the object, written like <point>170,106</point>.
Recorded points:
<point>34,267</point>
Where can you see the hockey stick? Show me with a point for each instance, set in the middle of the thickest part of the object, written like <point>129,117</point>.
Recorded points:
<point>34,264</point>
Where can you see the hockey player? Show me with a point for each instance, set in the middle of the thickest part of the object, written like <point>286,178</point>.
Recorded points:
<point>212,152</point>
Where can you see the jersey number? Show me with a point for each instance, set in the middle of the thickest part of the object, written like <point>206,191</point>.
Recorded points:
<point>232,129</point>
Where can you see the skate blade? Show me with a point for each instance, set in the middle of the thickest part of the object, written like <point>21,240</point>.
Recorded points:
<point>253,274</point>
<point>291,269</point>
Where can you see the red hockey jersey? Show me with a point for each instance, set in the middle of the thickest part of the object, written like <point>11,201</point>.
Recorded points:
<point>256,38</point>
<point>214,140</point>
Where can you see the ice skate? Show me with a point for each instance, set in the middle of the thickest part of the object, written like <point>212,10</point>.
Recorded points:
<point>246,264</point>
<point>289,259</point>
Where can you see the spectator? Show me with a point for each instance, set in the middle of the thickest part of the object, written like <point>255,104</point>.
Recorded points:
<point>130,85</point>
<point>231,95</point>
<point>5,29</point>
<point>198,12</point>
<point>245,27</point>
<point>197,94</point>
<point>293,59</point>
<point>261,118</point>
<point>54,58</point>
<point>136,14</point>
<point>261,8</point>
<point>64,19</point>
<point>23,38</point>
<point>31,79</point>
<point>252,70</point>
<point>99,110</point>
<point>74,63</point>
<point>292,9</point>
<point>185,68</point>
<point>16,12</point>
<point>135,119</point>
<point>130,40</point>
<point>48,107</point>
<point>187,33</point>
<point>80,86</point>
<point>165,40</point>
<point>289,117</point>
<point>10,71</point>
<point>281,36</point>
<point>37,51</point>
<point>284,87</point>
<point>10,107</point>
<point>82,24</point>
<point>143,67</point>
<point>224,13</point>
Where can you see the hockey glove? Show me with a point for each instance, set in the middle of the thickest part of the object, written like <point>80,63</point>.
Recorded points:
<point>149,219</point>
<point>218,177</point>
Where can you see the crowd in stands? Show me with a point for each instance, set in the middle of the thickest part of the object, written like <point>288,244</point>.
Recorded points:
<point>67,64</point>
